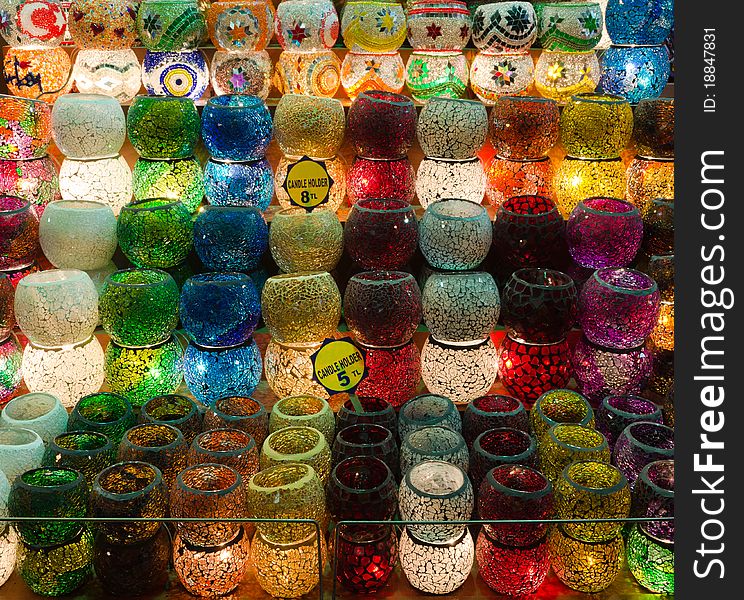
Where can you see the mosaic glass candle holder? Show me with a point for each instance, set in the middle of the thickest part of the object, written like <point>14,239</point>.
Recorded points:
<point>57,570</point>
<point>85,451</point>
<point>160,445</point>
<point>585,566</point>
<point>301,308</point>
<point>213,373</point>
<point>365,561</point>
<point>88,126</point>
<point>42,413</point>
<point>236,128</point>
<point>163,127</point>
<point>639,21</point>
<point>170,25</point>
<point>639,444</point>
<point>306,241</point>
<point>428,410</point>
<point>219,309</point>
<point>559,406</point>
<point>28,27</point>
<point>560,75</point>
<point>618,308</point>
<point>299,444</point>
<point>288,570</point>
<point>490,412</point>
<point>577,179</point>
<point>231,447</point>
<point>436,569</point>
<point>433,443</point>
<point>439,139</point>
<point>306,25</point>
<point>381,234</point>
<point>455,234</point>
<point>37,73</point>
<point>335,167</point>
<point>104,180</point>
<point>301,496</point>
<point>504,29</point>
<point>241,25</point>
<point>393,374</point>
<point>174,180</point>
<point>241,72</point>
<point>506,178</point>
<point>69,373</point>
<point>572,27</point>
<point>361,488</point>
<point>381,125</point>
<point>438,24</point>
<point>362,34</point>
<point>182,74</point>
<point>650,561</point>
<point>174,410</point>
<point>139,307</point>
<point>208,570</point>
<point>11,373</point>
<point>230,238</point>
<point>375,411</point>
<point>19,233</point>
<point>238,412</point>
<point>27,132</point>
<point>512,571</point>
<point>35,180</point>
<point>600,372</point>
<point>115,73</point>
<point>596,126</point>
<point>309,126</point>
<point>21,450</point>
<point>289,370</point>
<point>8,544</point>
<point>653,496</point>
<point>635,72</point>
<point>438,179</point>
<point>475,364</point>
<point>501,446</point>
<point>367,439</point>
<point>304,411</point>
<point>436,73</point>
<point>496,75</point>
<point>7,314</point>
<point>615,413</point>
<point>565,443</point>
<point>523,127</point>
<point>102,412</point>
<point>102,25</point>
<point>389,179</point>
<point>362,71</point>
<point>648,180</point>
<point>658,239</point>
<point>653,127</point>
<point>309,73</point>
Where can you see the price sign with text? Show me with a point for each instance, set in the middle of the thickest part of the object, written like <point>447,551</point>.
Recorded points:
<point>308,183</point>
<point>339,366</point>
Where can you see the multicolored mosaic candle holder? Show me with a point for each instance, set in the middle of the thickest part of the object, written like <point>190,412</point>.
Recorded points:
<point>38,73</point>
<point>496,75</point>
<point>363,72</point>
<point>438,24</point>
<point>115,73</point>
<point>181,74</point>
<point>569,26</point>
<point>436,73</point>
<point>241,25</point>
<point>560,75</point>
<point>241,72</point>
<point>507,28</point>
<point>19,233</point>
<point>170,25</point>
<point>102,24</point>
<point>26,131</point>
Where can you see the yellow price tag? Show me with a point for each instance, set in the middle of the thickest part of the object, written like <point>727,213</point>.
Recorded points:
<point>339,366</point>
<point>308,183</point>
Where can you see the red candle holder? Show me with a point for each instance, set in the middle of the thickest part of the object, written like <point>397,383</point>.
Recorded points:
<point>369,178</point>
<point>512,571</point>
<point>490,412</point>
<point>506,178</point>
<point>366,561</point>
<point>393,373</point>
<point>381,125</point>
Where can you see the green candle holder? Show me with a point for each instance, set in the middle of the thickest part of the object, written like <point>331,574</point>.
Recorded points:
<point>178,179</point>
<point>174,410</point>
<point>85,451</point>
<point>103,412</point>
<point>651,561</point>
<point>163,127</point>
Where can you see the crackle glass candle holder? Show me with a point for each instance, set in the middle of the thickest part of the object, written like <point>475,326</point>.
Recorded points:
<point>436,569</point>
<point>231,447</point>
<point>438,24</point>
<point>174,410</point>
<point>428,410</point>
<point>393,374</point>
<point>21,450</point>
<point>653,496</point>
<point>600,372</point>
<point>438,491</point>
<point>56,308</point>
<point>336,168</point>
<point>462,372</point>
<point>615,413</point>
<point>88,126</point>
<point>362,71</point>
<point>490,412</point>
<point>219,309</point>
<point>618,308</point>
<point>69,373</point>
<point>38,73</point>
<point>560,75</point>
<point>390,179</point>
<point>639,444</point>
<point>230,238</point>
<point>170,25</point>
<point>366,560</point>
<point>509,492</point>
<point>160,445</point>
<point>496,75</point>
<point>238,412</point>
<point>374,411</point>
<point>309,126</point>
<point>367,439</point>
<point>653,127</point>
<point>635,72</point>
<point>650,561</point>
<point>639,21</point>
<point>180,74</point>
<point>433,443</point>
<point>306,25</point>
<point>438,179</point>
<point>213,373</point>
<point>559,406</point>
<point>104,180</point>
<point>241,72</point>
<point>163,127</point>
<point>108,25</point>
<point>455,234</point>
<point>381,234</point>
<point>501,446</point>
<point>114,73</point>
<point>589,490</point>
<point>569,27</point>
<point>48,492</point>
<point>7,314</point>
<point>288,570</point>
<point>512,571</point>
<point>439,139</point>
<point>301,308</point>
<point>303,411</point>
<point>506,178</point>
<point>361,488</point>
<point>381,125</point>
<point>648,180</point>
<point>8,553</point>
<point>565,443</point>
<point>102,412</point>
<point>596,126</point>
<point>19,233</point>
<point>28,131</point>
<point>523,127</point>
<point>236,128</point>
<point>85,451</point>
<point>436,73</point>
<point>306,241</point>
<point>174,180</point>
<point>299,444</point>
<point>35,180</point>
<point>577,179</point>
<point>363,34</point>
<point>289,370</point>
<point>300,495</point>
<point>308,73</point>
<point>658,238</point>
<point>42,413</point>
<point>241,25</point>
<point>585,566</point>
<point>507,28</point>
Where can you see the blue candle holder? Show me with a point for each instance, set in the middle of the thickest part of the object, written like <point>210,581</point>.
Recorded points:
<point>639,21</point>
<point>236,128</point>
<point>239,183</point>
<point>230,238</point>
<point>635,72</point>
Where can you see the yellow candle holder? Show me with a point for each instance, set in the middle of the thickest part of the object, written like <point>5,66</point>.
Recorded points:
<point>362,72</point>
<point>565,443</point>
<point>304,445</point>
<point>577,179</point>
<point>373,26</point>
<point>306,241</point>
<point>310,73</point>
<point>596,125</point>
<point>304,411</point>
<point>585,566</point>
<point>649,179</point>
<point>309,126</point>
<point>560,75</point>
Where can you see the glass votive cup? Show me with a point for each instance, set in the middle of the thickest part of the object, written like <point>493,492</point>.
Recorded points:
<point>560,75</point>
<point>649,66</point>
<point>163,126</point>
<point>511,492</point>
<point>390,179</point>
<point>360,35</point>
<point>559,406</point>
<point>648,180</point>
<point>88,452</point>
<point>490,412</point>
<point>653,128</point>
<point>367,439</point>
<point>512,571</point>
<point>162,73</point>
<point>11,372</point>
<point>21,450</point>
<point>366,559</point>
<point>501,36</point>
<point>428,410</point>
<point>577,179</point>
<point>286,491</point>
<point>439,179</point>
<point>39,73</point>
<point>104,180</point>
<point>139,307</point>
<point>455,234</point>
<point>28,130</point>
<point>19,233</point>
<point>306,241</point>
<point>492,74</point>
<point>178,179</point>
<point>103,412</point>
<point>236,127</point>
<point>158,444</point>
<point>658,234</point>
<point>618,308</point>
<point>297,444</point>
<point>319,30</point>
<point>592,490</point>
<point>361,488</point>
<point>8,553</point>
<point>585,566</point>
<point>639,444</point>
<point>381,125</point>
<point>39,412</point>
<point>115,73</point>
<point>238,412</point>
<point>375,411</point>
<point>239,184</point>
<point>203,491</point>
<point>309,126</point>
<point>381,233</point>
<point>616,412</point>
<point>596,125</point>
<point>241,72</point>
<point>102,25</point>
<point>301,308</point>
<point>170,25</point>
<point>437,491</point>
<point>88,126</point>
<point>387,75</point>
<point>336,168</point>
<point>523,127</point>
<point>506,178</point>
<point>289,370</point>
<point>433,443</point>
<point>175,410</point>
<point>7,314</point>
<point>565,443</point>
<point>393,374</point>
<point>436,569</point>
<point>231,447</point>
<point>225,18</point>
<point>653,496</point>
<point>637,22</point>
<point>304,411</point>
<point>452,19</point>
<point>654,574</point>
<point>230,238</point>
<point>439,140</point>
<point>501,446</point>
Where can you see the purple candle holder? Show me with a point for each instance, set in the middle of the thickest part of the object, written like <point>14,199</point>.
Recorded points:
<point>604,232</point>
<point>501,446</point>
<point>490,412</point>
<point>619,308</point>
<point>362,488</point>
<point>615,413</point>
<point>653,496</point>
<point>639,444</point>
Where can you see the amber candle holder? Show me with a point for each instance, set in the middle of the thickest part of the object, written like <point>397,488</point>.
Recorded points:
<point>239,412</point>
<point>304,411</point>
<point>231,447</point>
<point>160,445</point>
